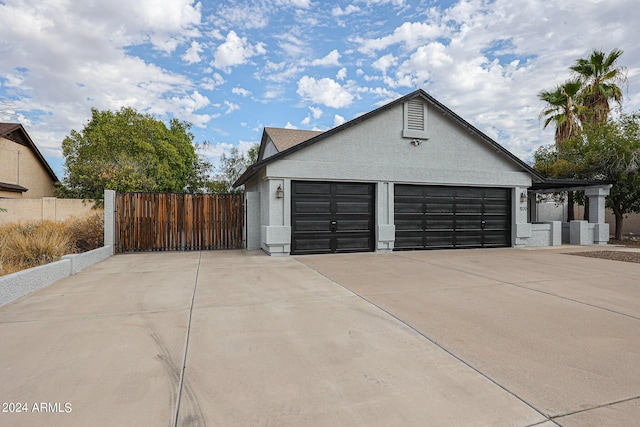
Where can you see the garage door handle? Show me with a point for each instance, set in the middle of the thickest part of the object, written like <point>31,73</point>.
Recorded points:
<point>483,223</point>
<point>334,225</point>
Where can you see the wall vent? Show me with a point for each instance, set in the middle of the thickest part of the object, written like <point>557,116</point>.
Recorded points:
<point>415,119</point>
<point>415,115</point>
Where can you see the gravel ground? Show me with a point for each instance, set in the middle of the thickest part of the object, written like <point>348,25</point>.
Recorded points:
<point>619,254</point>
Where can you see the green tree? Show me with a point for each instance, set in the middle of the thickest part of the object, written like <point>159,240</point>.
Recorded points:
<point>600,76</point>
<point>609,152</point>
<point>230,169</point>
<point>130,151</point>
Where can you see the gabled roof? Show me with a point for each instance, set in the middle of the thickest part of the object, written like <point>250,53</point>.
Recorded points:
<point>284,139</point>
<point>16,133</point>
<point>253,169</point>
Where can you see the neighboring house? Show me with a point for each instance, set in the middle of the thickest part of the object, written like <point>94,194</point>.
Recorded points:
<point>24,173</point>
<point>409,175</point>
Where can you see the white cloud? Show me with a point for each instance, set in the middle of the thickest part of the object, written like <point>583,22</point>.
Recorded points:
<point>240,91</point>
<point>254,16</point>
<point>210,83</point>
<point>338,120</point>
<point>290,126</point>
<point>324,91</point>
<point>342,74</point>
<point>192,55</point>
<point>332,58</point>
<point>316,112</point>
<point>409,34</point>
<point>304,4</point>
<point>235,51</point>
<point>385,62</point>
<point>338,11</point>
<point>231,107</point>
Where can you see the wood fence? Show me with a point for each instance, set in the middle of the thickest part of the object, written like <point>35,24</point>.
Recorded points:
<point>178,222</point>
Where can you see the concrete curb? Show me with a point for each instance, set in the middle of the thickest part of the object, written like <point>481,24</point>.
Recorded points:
<point>17,285</point>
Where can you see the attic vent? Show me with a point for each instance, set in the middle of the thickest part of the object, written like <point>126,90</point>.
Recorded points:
<point>415,115</point>
<point>415,119</point>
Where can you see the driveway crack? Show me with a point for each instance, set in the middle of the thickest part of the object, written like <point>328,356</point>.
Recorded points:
<point>194,415</point>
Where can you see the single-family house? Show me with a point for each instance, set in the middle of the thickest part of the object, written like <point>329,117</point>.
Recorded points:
<point>411,174</point>
<point>24,173</point>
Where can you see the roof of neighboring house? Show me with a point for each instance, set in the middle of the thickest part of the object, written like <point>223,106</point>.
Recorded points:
<point>284,139</point>
<point>16,133</point>
<point>253,169</point>
<point>5,186</point>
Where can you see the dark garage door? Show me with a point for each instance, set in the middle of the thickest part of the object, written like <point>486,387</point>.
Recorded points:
<point>330,217</point>
<point>439,217</point>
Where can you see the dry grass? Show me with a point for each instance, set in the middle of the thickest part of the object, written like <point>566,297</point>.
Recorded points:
<point>31,244</point>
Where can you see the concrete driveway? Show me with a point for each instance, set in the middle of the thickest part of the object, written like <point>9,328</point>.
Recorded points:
<point>435,338</point>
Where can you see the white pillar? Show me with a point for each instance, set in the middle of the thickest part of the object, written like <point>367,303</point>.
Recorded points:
<point>596,197</point>
<point>110,219</point>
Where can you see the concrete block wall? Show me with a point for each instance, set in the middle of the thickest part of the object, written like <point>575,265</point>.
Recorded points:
<point>46,208</point>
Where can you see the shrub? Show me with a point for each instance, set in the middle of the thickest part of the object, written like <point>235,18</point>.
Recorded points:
<point>30,244</point>
<point>86,233</point>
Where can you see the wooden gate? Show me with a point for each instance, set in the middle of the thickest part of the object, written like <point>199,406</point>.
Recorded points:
<point>178,222</point>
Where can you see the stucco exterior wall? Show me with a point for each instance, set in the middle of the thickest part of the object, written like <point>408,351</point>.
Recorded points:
<point>47,208</point>
<point>375,151</point>
<point>19,165</point>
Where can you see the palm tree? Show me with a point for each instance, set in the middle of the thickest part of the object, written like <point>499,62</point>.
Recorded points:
<point>600,77</point>
<point>562,110</point>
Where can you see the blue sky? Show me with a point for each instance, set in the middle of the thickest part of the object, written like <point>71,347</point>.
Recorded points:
<point>232,67</point>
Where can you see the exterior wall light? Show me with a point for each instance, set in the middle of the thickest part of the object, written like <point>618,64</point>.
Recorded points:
<point>415,142</point>
<point>523,197</point>
<point>279,192</point>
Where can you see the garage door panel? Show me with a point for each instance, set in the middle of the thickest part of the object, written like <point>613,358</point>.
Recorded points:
<point>440,240</point>
<point>353,207</point>
<point>312,188</point>
<point>443,192</point>
<point>496,193</point>
<point>409,224</point>
<point>469,193</point>
<point>306,225</point>
<point>350,189</point>
<point>409,241</point>
<point>352,225</point>
<point>494,238</point>
<point>352,244</point>
<point>312,207</point>
<point>408,207</point>
<point>328,217</point>
<point>439,222</point>
<point>469,223</point>
<point>502,209</point>
<point>452,217</point>
<point>438,206</point>
<point>472,238</point>
<point>408,190</point>
<point>468,206</point>
<point>313,245</point>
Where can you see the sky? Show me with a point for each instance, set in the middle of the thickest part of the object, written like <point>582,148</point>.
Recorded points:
<point>230,68</point>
